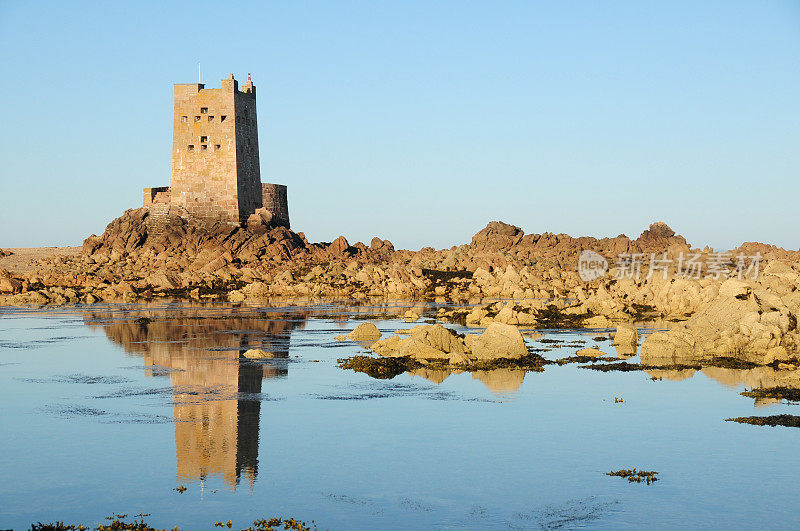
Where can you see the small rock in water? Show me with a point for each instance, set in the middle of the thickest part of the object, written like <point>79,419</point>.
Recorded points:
<point>626,334</point>
<point>365,332</point>
<point>411,316</point>
<point>258,354</point>
<point>590,353</point>
<point>499,341</point>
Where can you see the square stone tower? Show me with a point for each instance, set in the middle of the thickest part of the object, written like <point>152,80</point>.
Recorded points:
<point>216,173</point>
<point>215,167</point>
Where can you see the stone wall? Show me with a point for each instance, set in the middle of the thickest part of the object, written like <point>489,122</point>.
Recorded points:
<point>274,199</point>
<point>158,194</point>
<point>248,166</point>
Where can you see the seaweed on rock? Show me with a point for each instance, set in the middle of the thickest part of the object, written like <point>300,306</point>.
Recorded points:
<point>789,421</point>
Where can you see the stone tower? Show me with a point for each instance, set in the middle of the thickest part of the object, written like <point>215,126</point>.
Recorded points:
<point>216,172</point>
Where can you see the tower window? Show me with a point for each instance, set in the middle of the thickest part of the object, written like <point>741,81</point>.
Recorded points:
<point>191,147</point>
<point>203,139</point>
<point>204,147</point>
<point>222,118</point>
<point>197,118</point>
<point>210,118</point>
<point>203,110</point>
<point>184,119</point>
<point>216,147</point>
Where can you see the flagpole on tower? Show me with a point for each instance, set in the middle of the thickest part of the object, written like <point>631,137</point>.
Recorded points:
<point>199,76</point>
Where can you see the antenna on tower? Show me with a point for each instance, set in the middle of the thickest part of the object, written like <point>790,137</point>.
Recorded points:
<point>199,75</point>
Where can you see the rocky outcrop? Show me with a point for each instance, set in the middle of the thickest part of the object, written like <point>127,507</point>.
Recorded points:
<point>436,342</point>
<point>496,236</point>
<point>744,321</point>
<point>660,237</point>
<point>535,276</point>
<point>497,341</point>
<point>9,284</point>
<point>365,332</point>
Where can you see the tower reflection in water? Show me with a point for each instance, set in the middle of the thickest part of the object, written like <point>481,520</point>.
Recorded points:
<point>216,390</point>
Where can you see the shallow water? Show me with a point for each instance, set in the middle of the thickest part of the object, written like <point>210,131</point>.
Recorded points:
<point>104,413</point>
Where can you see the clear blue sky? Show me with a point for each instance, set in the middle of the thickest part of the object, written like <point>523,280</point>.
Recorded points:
<point>419,121</point>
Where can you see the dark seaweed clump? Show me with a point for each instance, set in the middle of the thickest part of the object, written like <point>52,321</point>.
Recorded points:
<point>443,278</point>
<point>531,362</point>
<point>580,359</point>
<point>389,367</point>
<point>380,368</point>
<point>785,393</point>
<point>731,363</point>
<point>119,524</point>
<point>635,476</point>
<point>624,366</point>
<point>641,312</point>
<point>790,421</point>
<point>552,317</point>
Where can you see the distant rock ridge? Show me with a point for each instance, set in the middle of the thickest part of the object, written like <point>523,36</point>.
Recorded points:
<point>190,244</point>
<point>564,249</point>
<point>507,276</point>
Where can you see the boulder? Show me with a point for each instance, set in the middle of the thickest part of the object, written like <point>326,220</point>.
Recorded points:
<point>411,316</point>
<point>734,288</point>
<point>381,245</point>
<point>590,353</point>
<point>339,246</point>
<point>626,334</point>
<point>669,348</point>
<point>495,236</point>
<point>10,285</point>
<point>365,332</point>
<point>258,354</point>
<point>256,223</point>
<point>425,342</point>
<point>265,215</point>
<point>498,341</point>
<point>438,337</point>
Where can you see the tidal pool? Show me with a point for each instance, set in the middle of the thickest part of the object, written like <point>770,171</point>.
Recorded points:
<point>110,409</point>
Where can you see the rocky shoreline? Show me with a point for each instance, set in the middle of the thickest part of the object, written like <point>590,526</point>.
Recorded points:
<point>502,276</point>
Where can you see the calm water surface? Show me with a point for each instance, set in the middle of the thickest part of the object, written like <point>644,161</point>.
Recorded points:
<point>104,412</point>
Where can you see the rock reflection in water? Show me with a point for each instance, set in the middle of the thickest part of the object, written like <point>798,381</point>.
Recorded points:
<point>675,375</point>
<point>755,378</point>
<point>217,416</point>
<point>499,381</point>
